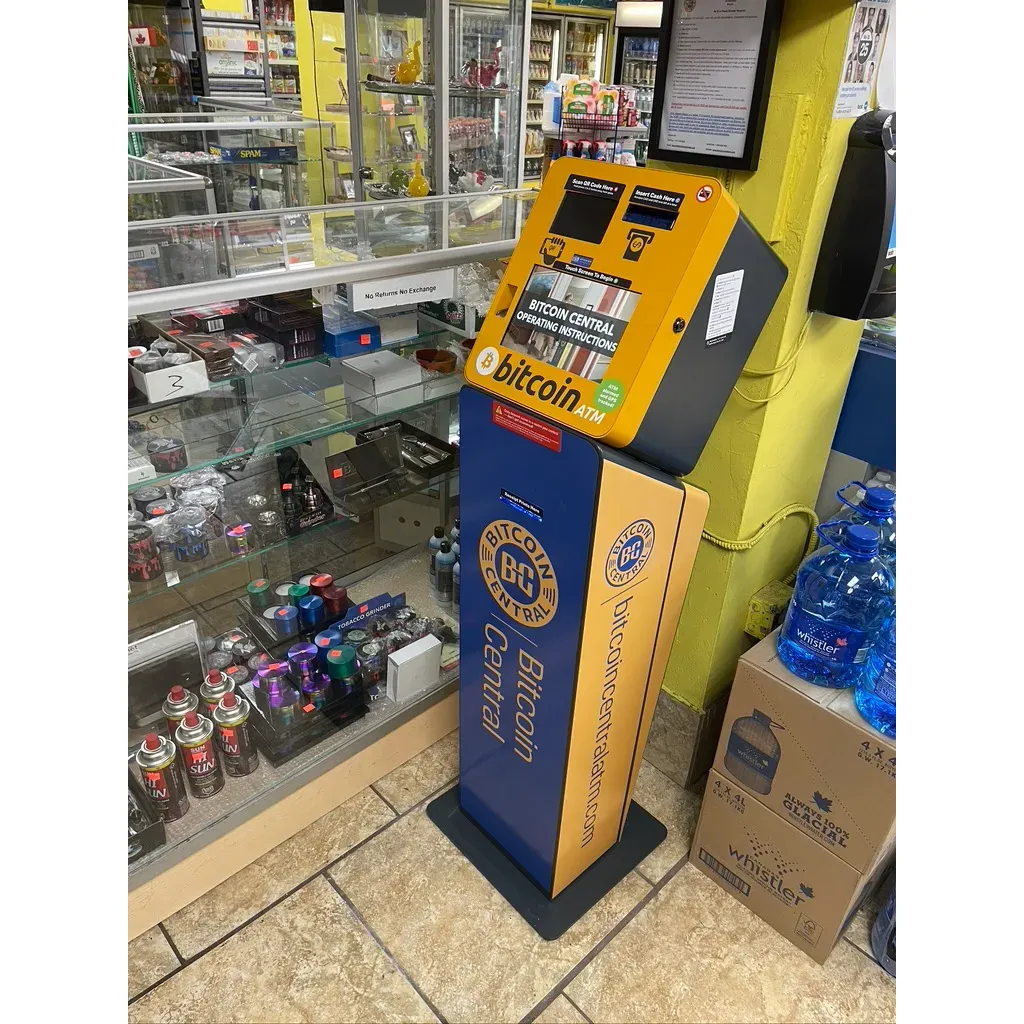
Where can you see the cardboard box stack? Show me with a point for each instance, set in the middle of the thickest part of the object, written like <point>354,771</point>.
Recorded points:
<point>799,815</point>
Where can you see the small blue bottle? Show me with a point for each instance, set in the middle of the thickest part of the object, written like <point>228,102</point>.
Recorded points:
<point>843,595</point>
<point>877,509</point>
<point>876,690</point>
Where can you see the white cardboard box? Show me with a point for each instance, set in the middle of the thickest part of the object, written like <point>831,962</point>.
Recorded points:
<point>172,381</point>
<point>382,382</point>
<point>414,668</point>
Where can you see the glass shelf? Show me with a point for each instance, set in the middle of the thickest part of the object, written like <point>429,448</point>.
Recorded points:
<point>242,798</point>
<point>187,261</point>
<point>284,410</point>
<point>180,575</point>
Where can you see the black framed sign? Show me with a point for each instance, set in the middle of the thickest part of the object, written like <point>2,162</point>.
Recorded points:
<point>716,59</point>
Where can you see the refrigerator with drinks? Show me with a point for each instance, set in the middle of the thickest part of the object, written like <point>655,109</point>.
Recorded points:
<point>636,63</point>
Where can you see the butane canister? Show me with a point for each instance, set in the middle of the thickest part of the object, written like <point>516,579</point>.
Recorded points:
<point>214,687</point>
<point>194,737</point>
<point>161,776</point>
<point>234,737</point>
<point>178,704</point>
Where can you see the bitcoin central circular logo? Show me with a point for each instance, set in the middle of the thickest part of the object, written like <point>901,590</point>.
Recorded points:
<point>630,553</point>
<point>487,361</point>
<point>518,573</point>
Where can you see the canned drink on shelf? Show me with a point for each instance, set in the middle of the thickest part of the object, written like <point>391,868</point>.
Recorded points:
<point>214,686</point>
<point>178,704</point>
<point>203,770</point>
<point>157,759</point>
<point>234,737</point>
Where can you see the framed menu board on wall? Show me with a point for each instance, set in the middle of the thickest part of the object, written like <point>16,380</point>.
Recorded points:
<point>711,90</point>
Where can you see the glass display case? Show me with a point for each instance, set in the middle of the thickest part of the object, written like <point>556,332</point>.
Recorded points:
<point>257,161</point>
<point>156,191</point>
<point>440,97</point>
<point>281,490</point>
<point>191,260</point>
<point>159,41</point>
<point>485,108</point>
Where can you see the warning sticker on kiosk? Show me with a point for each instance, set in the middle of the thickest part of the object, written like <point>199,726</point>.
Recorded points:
<point>570,321</point>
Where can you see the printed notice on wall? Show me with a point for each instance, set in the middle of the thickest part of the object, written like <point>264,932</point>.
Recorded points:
<point>711,74</point>
<point>863,57</point>
<point>725,300</point>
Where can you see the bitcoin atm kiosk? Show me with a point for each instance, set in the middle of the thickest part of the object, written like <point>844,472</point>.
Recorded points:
<point>626,313</point>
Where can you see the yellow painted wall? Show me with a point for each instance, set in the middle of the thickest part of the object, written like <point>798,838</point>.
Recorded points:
<point>763,457</point>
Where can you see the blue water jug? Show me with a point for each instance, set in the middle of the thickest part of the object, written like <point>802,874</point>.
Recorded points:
<point>876,690</point>
<point>842,597</point>
<point>877,509</point>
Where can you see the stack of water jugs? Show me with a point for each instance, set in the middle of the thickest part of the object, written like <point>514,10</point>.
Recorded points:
<point>840,628</point>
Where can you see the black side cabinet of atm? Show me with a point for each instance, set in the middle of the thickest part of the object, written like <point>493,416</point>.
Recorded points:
<point>856,273</point>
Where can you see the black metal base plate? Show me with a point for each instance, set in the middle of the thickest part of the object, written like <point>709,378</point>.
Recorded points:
<point>548,918</point>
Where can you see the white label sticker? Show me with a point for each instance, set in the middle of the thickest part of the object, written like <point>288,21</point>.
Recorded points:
<point>216,325</point>
<point>400,291</point>
<point>251,363</point>
<point>724,302</point>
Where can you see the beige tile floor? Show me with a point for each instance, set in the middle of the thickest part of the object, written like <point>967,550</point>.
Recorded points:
<point>370,914</point>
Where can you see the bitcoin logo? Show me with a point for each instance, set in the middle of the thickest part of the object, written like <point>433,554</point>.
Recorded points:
<point>518,573</point>
<point>487,361</point>
<point>630,553</point>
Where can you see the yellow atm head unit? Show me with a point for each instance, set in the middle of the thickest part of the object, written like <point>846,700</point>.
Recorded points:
<point>628,308</point>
